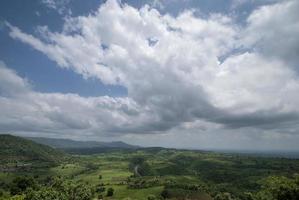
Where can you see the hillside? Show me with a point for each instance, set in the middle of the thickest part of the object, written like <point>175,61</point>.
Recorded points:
<point>17,152</point>
<point>160,173</point>
<point>73,144</point>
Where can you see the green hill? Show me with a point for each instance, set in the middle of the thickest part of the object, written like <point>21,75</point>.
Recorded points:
<point>73,144</point>
<point>83,147</point>
<point>19,153</point>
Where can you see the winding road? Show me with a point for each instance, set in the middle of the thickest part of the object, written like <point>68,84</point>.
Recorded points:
<point>136,170</point>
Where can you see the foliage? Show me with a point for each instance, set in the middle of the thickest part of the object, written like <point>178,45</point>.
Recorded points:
<point>45,193</point>
<point>140,167</point>
<point>223,196</point>
<point>279,188</point>
<point>19,154</point>
<point>168,173</point>
<point>16,197</point>
<point>62,190</point>
<point>20,184</point>
<point>91,166</point>
<point>152,197</point>
<point>165,194</point>
<point>110,192</point>
<point>100,189</point>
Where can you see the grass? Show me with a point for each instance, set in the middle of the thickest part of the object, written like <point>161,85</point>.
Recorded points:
<point>122,192</point>
<point>67,169</point>
<point>221,172</point>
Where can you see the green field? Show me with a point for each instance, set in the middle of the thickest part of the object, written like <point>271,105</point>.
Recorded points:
<point>163,174</point>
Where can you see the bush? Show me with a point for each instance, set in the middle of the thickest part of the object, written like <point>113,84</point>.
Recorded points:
<point>100,189</point>
<point>45,193</point>
<point>91,166</point>
<point>79,192</point>
<point>110,192</point>
<point>279,188</point>
<point>61,190</point>
<point>223,196</point>
<point>165,194</point>
<point>20,184</point>
<point>151,197</point>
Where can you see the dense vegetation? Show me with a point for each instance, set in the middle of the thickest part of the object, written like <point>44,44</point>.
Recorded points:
<point>152,173</point>
<point>17,153</point>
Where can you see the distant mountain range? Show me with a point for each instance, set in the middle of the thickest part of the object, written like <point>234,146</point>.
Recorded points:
<point>19,153</point>
<point>73,144</point>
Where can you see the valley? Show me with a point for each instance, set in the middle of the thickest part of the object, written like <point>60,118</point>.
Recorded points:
<point>140,173</point>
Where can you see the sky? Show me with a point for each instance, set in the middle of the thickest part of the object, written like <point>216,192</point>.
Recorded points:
<point>200,74</point>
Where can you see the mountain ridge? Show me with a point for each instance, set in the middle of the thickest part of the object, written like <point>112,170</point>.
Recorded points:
<point>17,151</point>
<point>63,143</point>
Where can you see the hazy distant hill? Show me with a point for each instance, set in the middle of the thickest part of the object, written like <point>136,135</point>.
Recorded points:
<point>72,144</point>
<point>17,151</point>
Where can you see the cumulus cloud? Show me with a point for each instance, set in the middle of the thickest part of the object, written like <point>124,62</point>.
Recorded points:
<point>10,83</point>
<point>172,70</point>
<point>27,110</point>
<point>273,30</point>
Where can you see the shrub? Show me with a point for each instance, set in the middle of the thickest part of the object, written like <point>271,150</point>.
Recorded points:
<point>165,194</point>
<point>110,192</point>
<point>91,166</point>
<point>20,184</point>
<point>151,197</point>
<point>100,189</point>
<point>100,196</point>
<point>279,188</point>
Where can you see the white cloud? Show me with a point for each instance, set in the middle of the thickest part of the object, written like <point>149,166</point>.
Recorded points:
<point>259,84</point>
<point>171,68</point>
<point>10,83</point>
<point>273,30</point>
<point>27,110</point>
<point>59,5</point>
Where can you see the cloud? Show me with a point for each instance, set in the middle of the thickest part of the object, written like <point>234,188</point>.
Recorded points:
<point>157,4</point>
<point>172,70</point>
<point>10,83</point>
<point>27,110</point>
<point>58,5</point>
<point>273,31</point>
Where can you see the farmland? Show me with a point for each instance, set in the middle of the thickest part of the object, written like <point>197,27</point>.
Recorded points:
<point>158,173</point>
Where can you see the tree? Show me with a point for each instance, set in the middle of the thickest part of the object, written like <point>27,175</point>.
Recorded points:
<point>16,197</point>
<point>137,160</point>
<point>165,194</point>
<point>100,196</point>
<point>45,193</point>
<point>279,188</point>
<point>20,184</point>
<point>144,169</point>
<point>91,166</point>
<point>110,192</point>
<point>79,191</point>
<point>100,189</point>
<point>62,190</point>
<point>223,196</point>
